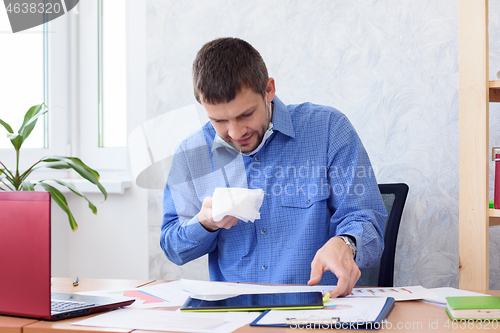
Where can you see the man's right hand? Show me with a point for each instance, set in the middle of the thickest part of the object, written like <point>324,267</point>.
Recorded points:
<point>205,217</point>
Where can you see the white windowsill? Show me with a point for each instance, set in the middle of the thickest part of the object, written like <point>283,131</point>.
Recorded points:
<point>112,186</point>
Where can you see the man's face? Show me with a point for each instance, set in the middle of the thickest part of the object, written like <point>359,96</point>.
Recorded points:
<point>243,121</point>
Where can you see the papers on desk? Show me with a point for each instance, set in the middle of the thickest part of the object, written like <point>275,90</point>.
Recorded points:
<point>442,293</point>
<point>339,313</point>
<point>175,293</point>
<point>209,288</point>
<point>398,293</point>
<point>345,310</point>
<point>156,296</point>
<point>161,320</point>
<point>359,303</point>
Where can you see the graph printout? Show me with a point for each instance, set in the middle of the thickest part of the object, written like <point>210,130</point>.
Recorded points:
<point>159,295</point>
<point>398,293</point>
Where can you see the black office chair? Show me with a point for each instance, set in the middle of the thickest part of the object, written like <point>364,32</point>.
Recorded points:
<point>394,196</point>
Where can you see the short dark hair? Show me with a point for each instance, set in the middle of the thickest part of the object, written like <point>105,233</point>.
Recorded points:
<point>224,66</point>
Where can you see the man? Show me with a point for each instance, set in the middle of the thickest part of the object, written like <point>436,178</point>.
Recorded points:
<point>322,215</point>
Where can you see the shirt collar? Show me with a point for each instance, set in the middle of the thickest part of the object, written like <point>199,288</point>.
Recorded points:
<point>281,120</point>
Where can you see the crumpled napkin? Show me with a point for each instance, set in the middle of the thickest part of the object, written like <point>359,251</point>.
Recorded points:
<point>242,203</point>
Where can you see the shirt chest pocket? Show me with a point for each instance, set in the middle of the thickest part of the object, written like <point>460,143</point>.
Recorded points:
<point>303,193</point>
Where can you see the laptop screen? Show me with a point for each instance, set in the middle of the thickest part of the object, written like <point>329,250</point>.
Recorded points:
<point>25,253</point>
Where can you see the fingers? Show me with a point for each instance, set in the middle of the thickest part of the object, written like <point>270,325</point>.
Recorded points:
<point>335,256</point>
<point>227,222</point>
<point>206,220</point>
<point>342,288</point>
<point>316,272</point>
<point>346,282</point>
<point>205,215</point>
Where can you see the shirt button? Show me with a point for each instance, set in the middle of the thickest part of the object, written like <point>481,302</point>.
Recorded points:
<point>257,158</point>
<point>263,231</point>
<point>264,267</point>
<point>308,201</point>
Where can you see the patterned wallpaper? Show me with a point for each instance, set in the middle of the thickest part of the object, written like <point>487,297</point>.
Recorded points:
<point>391,66</point>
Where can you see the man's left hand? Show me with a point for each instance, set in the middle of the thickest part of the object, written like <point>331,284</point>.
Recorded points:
<point>337,257</point>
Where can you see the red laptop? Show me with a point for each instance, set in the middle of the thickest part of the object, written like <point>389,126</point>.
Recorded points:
<point>25,263</point>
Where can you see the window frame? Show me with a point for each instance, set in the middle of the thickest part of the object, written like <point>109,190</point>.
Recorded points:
<point>56,97</point>
<point>73,93</point>
<point>102,158</point>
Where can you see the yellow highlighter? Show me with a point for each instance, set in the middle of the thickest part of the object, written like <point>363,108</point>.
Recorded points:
<point>326,296</point>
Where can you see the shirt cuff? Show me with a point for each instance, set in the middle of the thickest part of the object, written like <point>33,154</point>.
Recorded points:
<point>196,231</point>
<point>359,253</point>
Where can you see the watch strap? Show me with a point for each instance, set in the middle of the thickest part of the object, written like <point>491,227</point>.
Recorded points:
<point>351,242</point>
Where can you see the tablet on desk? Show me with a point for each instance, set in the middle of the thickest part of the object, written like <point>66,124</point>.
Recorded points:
<point>255,302</point>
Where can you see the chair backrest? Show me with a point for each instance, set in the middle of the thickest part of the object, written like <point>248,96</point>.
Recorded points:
<point>394,197</point>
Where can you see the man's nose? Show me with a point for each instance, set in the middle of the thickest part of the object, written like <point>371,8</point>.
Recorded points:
<point>236,131</point>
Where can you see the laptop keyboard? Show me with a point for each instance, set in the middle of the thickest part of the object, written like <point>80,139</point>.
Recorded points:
<point>58,306</point>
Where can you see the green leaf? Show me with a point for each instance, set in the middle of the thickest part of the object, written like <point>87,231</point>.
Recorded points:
<point>7,173</point>
<point>28,186</point>
<point>31,123</point>
<point>16,140</point>
<point>7,185</point>
<point>27,126</point>
<point>60,199</point>
<point>81,168</point>
<point>77,192</point>
<point>69,160</point>
<point>7,126</point>
<point>53,165</point>
<point>12,136</point>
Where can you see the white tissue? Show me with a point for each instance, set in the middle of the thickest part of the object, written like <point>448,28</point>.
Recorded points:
<point>242,203</point>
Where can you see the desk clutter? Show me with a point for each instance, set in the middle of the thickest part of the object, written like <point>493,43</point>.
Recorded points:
<point>365,307</point>
<point>157,303</point>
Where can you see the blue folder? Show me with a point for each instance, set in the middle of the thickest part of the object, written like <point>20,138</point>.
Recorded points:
<point>333,322</point>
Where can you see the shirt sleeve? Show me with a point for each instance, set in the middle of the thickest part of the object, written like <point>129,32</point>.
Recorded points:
<point>356,202</point>
<point>183,238</point>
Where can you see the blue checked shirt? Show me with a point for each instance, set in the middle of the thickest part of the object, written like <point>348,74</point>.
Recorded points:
<point>318,183</point>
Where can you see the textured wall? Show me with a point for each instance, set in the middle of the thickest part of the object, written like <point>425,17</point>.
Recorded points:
<point>391,66</point>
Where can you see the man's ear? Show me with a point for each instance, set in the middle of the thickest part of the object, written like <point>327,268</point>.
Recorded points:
<point>270,89</point>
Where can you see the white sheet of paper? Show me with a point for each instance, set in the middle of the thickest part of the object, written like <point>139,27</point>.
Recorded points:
<point>224,288</point>
<point>442,293</point>
<point>347,309</point>
<point>175,293</point>
<point>210,288</point>
<point>207,288</point>
<point>161,320</point>
<point>155,296</point>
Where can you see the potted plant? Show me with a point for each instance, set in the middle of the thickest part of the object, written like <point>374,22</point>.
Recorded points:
<point>17,181</point>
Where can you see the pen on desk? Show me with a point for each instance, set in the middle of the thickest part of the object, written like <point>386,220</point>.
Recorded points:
<point>75,282</point>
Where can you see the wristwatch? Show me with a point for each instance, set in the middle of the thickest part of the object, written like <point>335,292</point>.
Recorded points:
<point>350,242</point>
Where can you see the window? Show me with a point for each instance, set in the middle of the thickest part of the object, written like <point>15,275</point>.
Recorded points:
<point>112,72</point>
<point>32,64</point>
<point>103,83</point>
<point>23,64</point>
<point>88,113</point>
